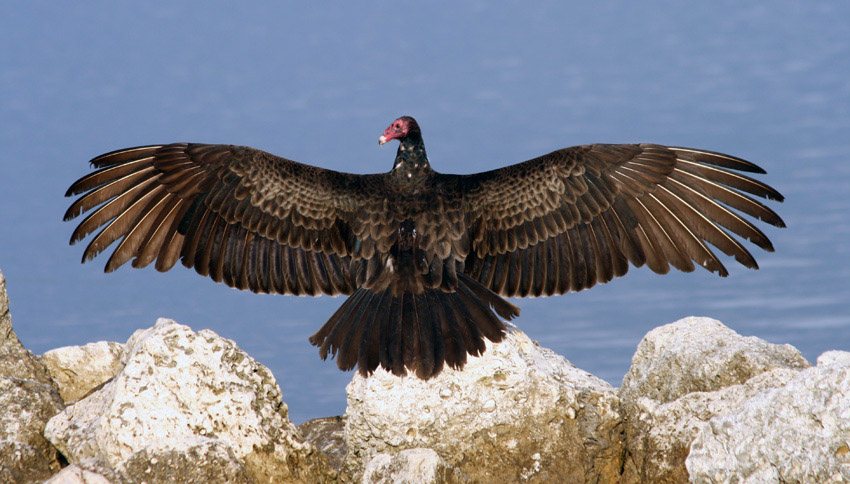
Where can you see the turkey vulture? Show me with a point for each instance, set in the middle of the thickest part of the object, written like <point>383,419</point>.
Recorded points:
<point>426,257</point>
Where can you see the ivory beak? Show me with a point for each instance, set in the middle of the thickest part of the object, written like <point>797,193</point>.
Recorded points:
<point>383,139</point>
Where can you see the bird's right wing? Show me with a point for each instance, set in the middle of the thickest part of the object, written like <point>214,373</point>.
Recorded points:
<point>577,216</point>
<point>239,215</point>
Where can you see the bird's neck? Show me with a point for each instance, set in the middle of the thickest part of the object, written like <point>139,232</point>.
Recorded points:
<point>411,161</point>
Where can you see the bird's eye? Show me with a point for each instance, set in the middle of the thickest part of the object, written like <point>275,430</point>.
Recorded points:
<point>398,126</point>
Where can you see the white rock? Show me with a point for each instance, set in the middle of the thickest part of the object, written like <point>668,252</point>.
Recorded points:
<point>700,355</point>
<point>77,370</point>
<point>177,384</point>
<point>682,375</point>
<point>74,474</point>
<point>25,408</point>
<point>659,440</point>
<point>797,433</point>
<point>24,463</point>
<point>186,459</point>
<point>28,398</point>
<point>411,466</point>
<point>834,358</point>
<point>519,410</point>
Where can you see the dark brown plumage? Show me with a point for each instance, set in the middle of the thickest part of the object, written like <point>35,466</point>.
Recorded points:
<point>425,256</point>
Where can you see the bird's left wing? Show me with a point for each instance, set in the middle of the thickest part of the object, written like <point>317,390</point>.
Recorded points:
<point>577,216</point>
<point>239,215</point>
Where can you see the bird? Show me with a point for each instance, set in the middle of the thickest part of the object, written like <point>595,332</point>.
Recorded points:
<point>425,258</point>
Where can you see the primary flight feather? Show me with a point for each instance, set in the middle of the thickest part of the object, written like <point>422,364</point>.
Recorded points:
<point>426,257</point>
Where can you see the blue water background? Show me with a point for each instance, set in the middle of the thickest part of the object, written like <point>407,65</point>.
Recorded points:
<point>491,83</point>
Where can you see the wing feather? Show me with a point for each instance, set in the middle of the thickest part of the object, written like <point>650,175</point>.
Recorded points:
<point>241,216</point>
<point>579,216</point>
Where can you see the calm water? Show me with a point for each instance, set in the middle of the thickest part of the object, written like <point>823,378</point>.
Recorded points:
<point>490,85</point>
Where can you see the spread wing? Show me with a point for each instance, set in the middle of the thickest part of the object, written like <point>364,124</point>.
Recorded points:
<point>578,216</point>
<point>239,215</point>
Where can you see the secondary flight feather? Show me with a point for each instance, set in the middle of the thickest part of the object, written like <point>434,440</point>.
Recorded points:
<point>426,258</point>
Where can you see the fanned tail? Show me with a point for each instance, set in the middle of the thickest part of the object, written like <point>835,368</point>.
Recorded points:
<point>417,332</point>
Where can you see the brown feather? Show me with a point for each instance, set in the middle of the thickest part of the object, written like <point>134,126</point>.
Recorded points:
<point>130,210</point>
<point>124,196</point>
<point>99,178</point>
<point>124,155</point>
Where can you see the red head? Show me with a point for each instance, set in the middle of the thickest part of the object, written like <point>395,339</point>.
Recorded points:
<point>399,129</point>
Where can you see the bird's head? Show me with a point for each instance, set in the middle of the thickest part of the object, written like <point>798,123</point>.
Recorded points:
<point>400,129</point>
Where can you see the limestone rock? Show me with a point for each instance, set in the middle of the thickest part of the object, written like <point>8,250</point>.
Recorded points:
<point>185,459</point>
<point>22,463</point>
<point>796,433</point>
<point>25,408</point>
<point>700,355</point>
<point>659,436</point>
<point>328,435</point>
<point>518,413</point>
<point>412,466</point>
<point>76,474</point>
<point>28,399</point>
<point>15,360</point>
<point>77,370</point>
<point>683,374</point>
<point>175,384</point>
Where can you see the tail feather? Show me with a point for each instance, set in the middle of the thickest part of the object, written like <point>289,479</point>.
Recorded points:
<point>425,340</point>
<point>368,353</point>
<point>440,336</point>
<point>411,330</point>
<point>486,320</point>
<point>385,312</point>
<point>395,363</point>
<point>472,338</point>
<point>421,333</point>
<point>502,307</point>
<point>333,332</point>
<point>348,351</point>
<point>455,346</point>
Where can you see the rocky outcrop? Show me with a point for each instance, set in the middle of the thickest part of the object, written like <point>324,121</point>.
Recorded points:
<point>700,403</point>
<point>186,402</point>
<point>78,370</point>
<point>682,375</point>
<point>25,408</point>
<point>799,432</point>
<point>28,399</point>
<point>519,413</point>
<point>700,355</point>
<point>412,466</point>
<point>193,458</point>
